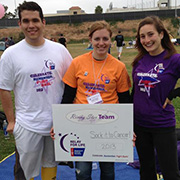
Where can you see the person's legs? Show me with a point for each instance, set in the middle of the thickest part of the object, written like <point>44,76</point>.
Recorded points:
<point>48,173</point>
<point>107,170</point>
<point>166,147</point>
<point>18,172</point>
<point>145,150</point>
<point>30,148</point>
<point>83,170</point>
<point>119,49</point>
<point>49,165</point>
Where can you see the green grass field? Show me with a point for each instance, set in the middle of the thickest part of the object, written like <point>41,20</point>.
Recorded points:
<point>7,146</point>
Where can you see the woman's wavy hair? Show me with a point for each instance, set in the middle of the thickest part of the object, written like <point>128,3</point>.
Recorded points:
<point>98,25</point>
<point>165,41</point>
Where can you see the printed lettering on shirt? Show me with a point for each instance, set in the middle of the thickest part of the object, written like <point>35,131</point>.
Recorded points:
<point>98,86</point>
<point>45,78</point>
<point>150,79</point>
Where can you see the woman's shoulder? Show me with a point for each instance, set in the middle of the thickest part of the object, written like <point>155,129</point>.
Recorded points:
<point>82,57</point>
<point>175,58</point>
<point>176,55</point>
<point>115,61</point>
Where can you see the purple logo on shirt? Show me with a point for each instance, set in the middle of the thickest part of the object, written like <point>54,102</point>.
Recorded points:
<point>159,68</point>
<point>105,78</point>
<point>49,64</point>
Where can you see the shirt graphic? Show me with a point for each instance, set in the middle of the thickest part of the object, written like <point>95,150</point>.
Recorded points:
<point>98,86</point>
<point>45,78</point>
<point>150,79</point>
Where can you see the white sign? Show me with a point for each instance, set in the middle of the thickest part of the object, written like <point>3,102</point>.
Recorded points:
<point>98,132</point>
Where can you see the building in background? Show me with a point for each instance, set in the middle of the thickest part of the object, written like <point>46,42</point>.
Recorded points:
<point>76,10</point>
<point>72,11</point>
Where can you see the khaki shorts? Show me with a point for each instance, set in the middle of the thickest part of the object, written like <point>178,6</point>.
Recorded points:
<point>119,49</point>
<point>34,151</point>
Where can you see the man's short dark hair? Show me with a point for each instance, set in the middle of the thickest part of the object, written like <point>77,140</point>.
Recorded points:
<point>119,31</point>
<point>30,6</point>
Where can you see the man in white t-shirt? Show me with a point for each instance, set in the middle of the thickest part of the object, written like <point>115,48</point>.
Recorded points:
<point>33,70</point>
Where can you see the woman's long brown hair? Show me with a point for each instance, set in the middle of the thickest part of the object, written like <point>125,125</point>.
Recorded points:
<point>165,42</point>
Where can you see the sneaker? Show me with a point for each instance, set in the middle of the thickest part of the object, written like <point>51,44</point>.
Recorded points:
<point>119,58</point>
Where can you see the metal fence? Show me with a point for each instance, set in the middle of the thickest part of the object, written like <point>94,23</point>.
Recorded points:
<point>121,16</point>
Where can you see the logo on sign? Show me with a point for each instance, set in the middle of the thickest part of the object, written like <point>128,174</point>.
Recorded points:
<point>71,143</point>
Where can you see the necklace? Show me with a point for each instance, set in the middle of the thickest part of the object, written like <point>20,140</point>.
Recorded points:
<point>96,78</point>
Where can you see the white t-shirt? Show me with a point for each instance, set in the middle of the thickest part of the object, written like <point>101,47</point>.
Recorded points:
<point>35,75</point>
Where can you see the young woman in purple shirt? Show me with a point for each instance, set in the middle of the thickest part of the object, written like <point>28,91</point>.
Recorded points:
<point>156,70</point>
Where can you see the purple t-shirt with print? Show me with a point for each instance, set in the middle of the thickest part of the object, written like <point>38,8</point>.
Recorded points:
<point>154,77</point>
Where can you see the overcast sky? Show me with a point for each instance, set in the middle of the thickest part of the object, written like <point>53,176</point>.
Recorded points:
<point>51,6</point>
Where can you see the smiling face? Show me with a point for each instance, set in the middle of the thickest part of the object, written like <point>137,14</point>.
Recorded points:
<point>151,39</point>
<point>32,26</point>
<point>101,41</point>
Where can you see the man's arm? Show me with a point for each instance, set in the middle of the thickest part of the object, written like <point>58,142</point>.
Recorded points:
<point>7,105</point>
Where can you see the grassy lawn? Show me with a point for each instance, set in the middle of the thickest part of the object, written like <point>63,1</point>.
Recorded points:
<point>7,146</point>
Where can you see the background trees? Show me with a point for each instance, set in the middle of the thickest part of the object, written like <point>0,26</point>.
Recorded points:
<point>98,10</point>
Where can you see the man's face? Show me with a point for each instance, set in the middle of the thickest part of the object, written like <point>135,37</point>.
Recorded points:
<point>32,26</point>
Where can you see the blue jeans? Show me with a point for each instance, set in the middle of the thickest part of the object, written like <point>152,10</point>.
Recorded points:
<point>84,169</point>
